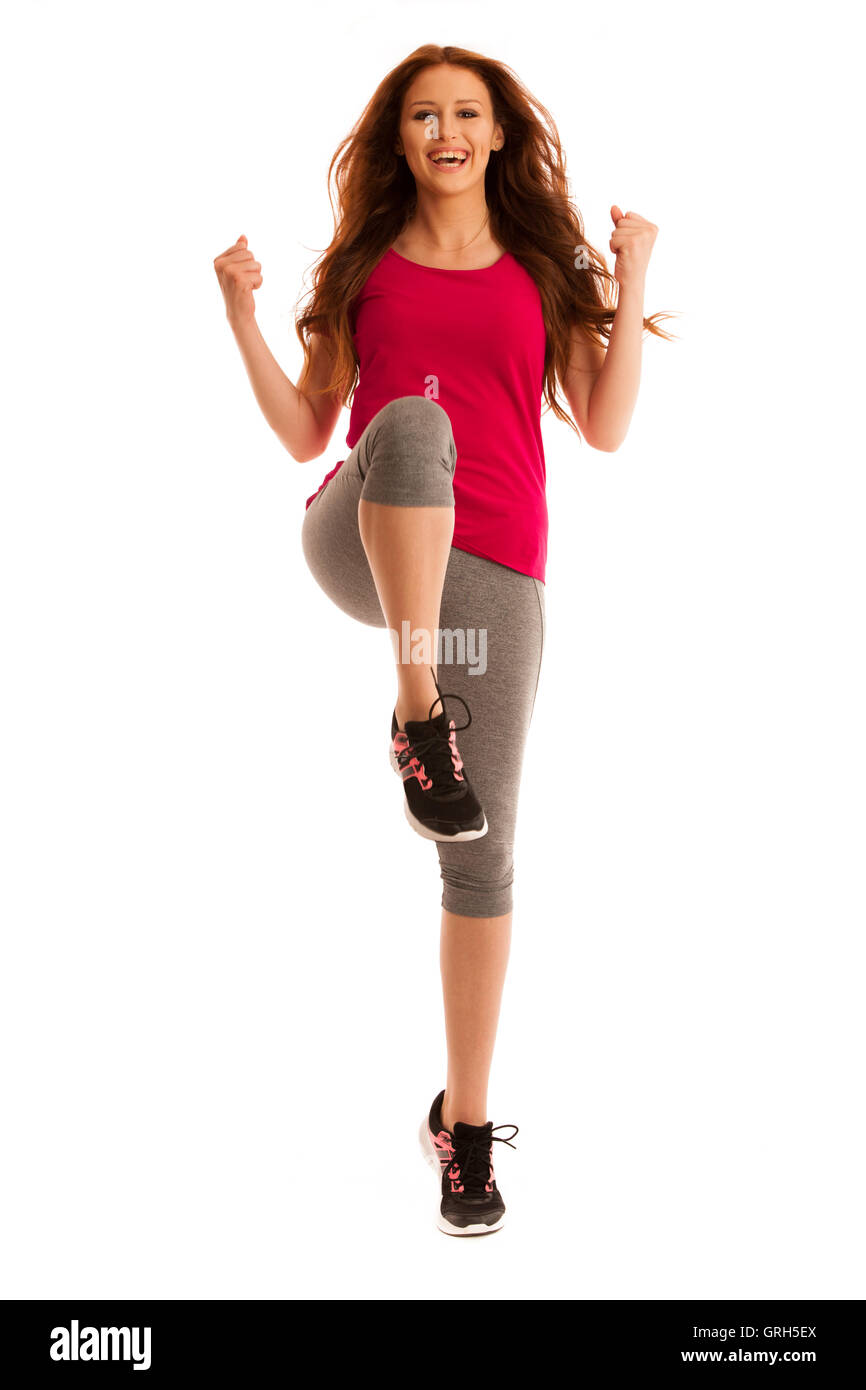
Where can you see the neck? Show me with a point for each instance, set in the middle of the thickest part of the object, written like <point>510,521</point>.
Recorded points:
<point>448,224</point>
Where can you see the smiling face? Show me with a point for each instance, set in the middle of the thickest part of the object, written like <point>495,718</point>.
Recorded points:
<point>447,109</point>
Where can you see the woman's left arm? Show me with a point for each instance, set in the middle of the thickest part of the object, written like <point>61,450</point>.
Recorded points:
<point>604,383</point>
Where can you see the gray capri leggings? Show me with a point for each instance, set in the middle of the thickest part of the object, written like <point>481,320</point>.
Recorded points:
<point>406,457</point>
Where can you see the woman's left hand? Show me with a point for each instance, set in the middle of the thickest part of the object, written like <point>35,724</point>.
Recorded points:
<point>632,243</point>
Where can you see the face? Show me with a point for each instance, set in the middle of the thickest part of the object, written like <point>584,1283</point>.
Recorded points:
<point>447,108</point>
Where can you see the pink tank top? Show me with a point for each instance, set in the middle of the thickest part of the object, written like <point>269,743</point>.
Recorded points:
<point>473,340</point>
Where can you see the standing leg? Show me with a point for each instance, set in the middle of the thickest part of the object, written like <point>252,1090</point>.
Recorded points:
<point>500,613</point>
<point>473,958</point>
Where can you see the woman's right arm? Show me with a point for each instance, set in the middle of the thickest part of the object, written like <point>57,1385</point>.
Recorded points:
<point>303,424</point>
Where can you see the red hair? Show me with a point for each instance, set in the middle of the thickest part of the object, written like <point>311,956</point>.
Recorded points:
<point>530,215</point>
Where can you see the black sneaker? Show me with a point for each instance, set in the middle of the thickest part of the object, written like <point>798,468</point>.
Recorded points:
<point>439,803</point>
<point>471,1202</point>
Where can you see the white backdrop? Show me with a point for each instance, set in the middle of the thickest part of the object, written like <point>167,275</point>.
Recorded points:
<point>221,1011</point>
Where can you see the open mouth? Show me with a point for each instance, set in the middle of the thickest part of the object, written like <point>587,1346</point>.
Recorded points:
<point>448,159</point>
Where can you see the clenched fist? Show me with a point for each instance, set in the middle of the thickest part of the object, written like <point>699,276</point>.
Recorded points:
<point>239,273</point>
<point>631,243</point>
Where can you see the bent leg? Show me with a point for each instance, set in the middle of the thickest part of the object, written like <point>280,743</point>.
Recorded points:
<point>387,516</point>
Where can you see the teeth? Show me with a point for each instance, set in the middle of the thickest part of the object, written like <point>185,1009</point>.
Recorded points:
<point>448,158</point>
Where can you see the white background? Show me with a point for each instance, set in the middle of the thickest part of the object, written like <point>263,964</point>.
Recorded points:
<point>221,1011</point>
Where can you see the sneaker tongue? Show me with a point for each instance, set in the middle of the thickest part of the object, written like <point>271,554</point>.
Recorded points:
<point>418,728</point>
<point>462,1131</point>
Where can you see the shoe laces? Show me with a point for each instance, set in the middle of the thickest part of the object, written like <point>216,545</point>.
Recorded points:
<point>437,751</point>
<point>472,1159</point>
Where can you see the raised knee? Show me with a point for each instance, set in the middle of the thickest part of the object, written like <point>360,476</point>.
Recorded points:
<point>409,456</point>
<point>419,416</point>
<point>421,408</point>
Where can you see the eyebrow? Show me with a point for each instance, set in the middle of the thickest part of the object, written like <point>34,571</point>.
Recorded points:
<point>461,101</point>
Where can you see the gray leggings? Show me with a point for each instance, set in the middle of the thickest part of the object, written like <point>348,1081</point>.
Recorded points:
<point>406,457</point>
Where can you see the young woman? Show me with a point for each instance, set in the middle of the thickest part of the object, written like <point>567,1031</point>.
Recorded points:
<point>457,292</point>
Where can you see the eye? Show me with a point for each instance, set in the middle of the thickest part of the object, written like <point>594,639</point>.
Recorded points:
<point>420,115</point>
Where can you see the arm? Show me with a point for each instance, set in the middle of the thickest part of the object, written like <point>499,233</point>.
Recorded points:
<point>614,393</point>
<point>302,423</point>
<point>601,385</point>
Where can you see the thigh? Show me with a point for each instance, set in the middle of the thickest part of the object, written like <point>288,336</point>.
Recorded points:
<point>405,456</point>
<point>333,549</point>
<point>501,615</point>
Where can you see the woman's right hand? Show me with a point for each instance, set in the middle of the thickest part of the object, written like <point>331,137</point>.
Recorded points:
<point>239,273</point>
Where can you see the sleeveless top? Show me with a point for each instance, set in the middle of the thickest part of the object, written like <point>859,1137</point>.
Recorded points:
<point>474,341</point>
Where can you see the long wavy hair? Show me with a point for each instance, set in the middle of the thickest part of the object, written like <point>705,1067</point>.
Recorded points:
<point>530,215</point>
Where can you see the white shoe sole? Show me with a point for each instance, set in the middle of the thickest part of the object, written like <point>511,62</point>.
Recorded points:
<point>425,830</point>
<point>432,1158</point>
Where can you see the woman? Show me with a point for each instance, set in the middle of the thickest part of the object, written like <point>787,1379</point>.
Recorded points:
<point>460,289</point>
